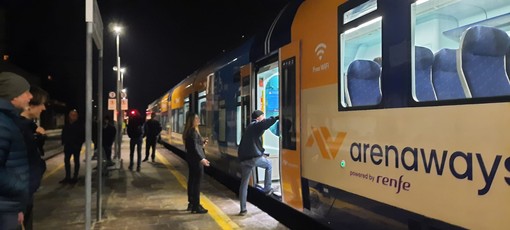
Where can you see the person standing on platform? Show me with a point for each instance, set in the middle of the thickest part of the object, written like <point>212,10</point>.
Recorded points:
<point>251,154</point>
<point>14,168</point>
<point>109,133</point>
<point>135,133</point>
<point>34,135</point>
<point>73,136</point>
<point>152,129</point>
<point>195,156</point>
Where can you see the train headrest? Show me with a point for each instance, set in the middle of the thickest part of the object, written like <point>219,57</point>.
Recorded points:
<point>445,60</point>
<point>423,57</point>
<point>485,41</point>
<point>364,69</point>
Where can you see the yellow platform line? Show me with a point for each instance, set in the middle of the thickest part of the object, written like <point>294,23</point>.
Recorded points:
<point>48,174</point>
<point>216,213</point>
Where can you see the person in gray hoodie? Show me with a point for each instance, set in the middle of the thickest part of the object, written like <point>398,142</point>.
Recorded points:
<point>251,154</point>
<point>14,169</point>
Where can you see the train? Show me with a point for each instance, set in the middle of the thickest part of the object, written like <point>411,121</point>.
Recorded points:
<point>394,114</point>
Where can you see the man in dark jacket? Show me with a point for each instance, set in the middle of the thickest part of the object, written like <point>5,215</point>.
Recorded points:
<point>135,133</point>
<point>251,154</point>
<point>73,136</point>
<point>14,176</point>
<point>109,133</point>
<point>152,129</point>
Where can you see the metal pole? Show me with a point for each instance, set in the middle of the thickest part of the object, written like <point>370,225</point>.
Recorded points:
<point>119,109</point>
<point>88,126</point>
<point>100,135</point>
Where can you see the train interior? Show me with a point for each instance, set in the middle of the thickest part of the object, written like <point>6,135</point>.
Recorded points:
<point>267,100</point>
<point>452,39</point>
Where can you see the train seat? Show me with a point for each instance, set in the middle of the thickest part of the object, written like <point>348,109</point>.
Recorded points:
<point>482,61</point>
<point>445,77</point>
<point>363,83</point>
<point>423,71</point>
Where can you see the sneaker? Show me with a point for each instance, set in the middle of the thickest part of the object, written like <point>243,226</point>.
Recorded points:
<point>243,213</point>
<point>130,168</point>
<point>146,159</point>
<point>138,169</point>
<point>64,181</point>
<point>190,207</point>
<point>199,210</point>
<point>269,192</point>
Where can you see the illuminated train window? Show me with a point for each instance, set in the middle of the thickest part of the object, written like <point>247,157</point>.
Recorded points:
<point>460,49</point>
<point>360,57</point>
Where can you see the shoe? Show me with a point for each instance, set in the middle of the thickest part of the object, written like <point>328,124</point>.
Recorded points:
<point>74,180</point>
<point>269,192</point>
<point>243,213</point>
<point>109,163</point>
<point>146,159</point>
<point>138,169</point>
<point>189,207</point>
<point>130,168</point>
<point>64,181</point>
<point>153,160</point>
<point>199,210</point>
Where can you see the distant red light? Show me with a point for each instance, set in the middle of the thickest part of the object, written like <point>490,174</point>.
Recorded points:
<point>133,112</point>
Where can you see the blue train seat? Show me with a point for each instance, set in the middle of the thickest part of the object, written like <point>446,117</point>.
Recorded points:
<point>363,83</point>
<point>422,75</point>
<point>482,61</point>
<point>445,77</point>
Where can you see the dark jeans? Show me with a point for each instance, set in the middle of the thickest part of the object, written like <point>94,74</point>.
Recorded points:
<point>108,152</point>
<point>28,217</point>
<point>75,152</point>
<point>138,143</point>
<point>196,172</point>
<point>150,143</point>
<point>9,221</point>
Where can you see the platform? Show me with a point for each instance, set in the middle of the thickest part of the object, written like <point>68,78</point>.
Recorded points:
<point>154,198</point>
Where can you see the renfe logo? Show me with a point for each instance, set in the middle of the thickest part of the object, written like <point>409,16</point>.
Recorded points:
<point>328,147</point>
<point>431,161</point>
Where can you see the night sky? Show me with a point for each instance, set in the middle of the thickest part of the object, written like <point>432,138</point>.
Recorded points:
<point>162,41</point>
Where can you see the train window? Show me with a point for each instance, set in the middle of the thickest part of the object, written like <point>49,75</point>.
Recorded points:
<point>459,49</point>
<point>201,107</point>
<point>360,55</point>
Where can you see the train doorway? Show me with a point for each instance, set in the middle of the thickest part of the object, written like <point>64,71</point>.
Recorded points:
<point>267,100</point>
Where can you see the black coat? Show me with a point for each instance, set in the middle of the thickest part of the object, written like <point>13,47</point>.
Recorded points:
<point>251,143</point>
<point>14,174</point>
<point>36,165</point>
<point>73,135</point>
<point>152,129</point>
<point>194,146</point>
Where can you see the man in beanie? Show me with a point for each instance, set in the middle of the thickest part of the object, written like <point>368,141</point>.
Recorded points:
<point>14,98</point>
<point>251,154</point>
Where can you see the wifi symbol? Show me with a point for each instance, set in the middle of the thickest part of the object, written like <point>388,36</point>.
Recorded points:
<point>320,49</point>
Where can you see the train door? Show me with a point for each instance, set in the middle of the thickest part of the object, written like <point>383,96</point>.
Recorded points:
<point>267,100</point>
<point>290,158</point>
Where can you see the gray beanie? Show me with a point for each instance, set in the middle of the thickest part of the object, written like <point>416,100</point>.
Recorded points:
<point>12,85</point>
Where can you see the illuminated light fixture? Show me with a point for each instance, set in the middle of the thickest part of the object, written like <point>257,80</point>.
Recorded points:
<point>5,57</point>
<point>364,25</point>
<point>421,2</point>
<point>117,29</point>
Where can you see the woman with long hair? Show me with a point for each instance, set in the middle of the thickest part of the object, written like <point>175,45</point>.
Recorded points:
<point>195,157</point>
<point>34,140</point>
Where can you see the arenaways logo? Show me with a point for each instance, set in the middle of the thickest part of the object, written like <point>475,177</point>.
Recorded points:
<point>327,145</point>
